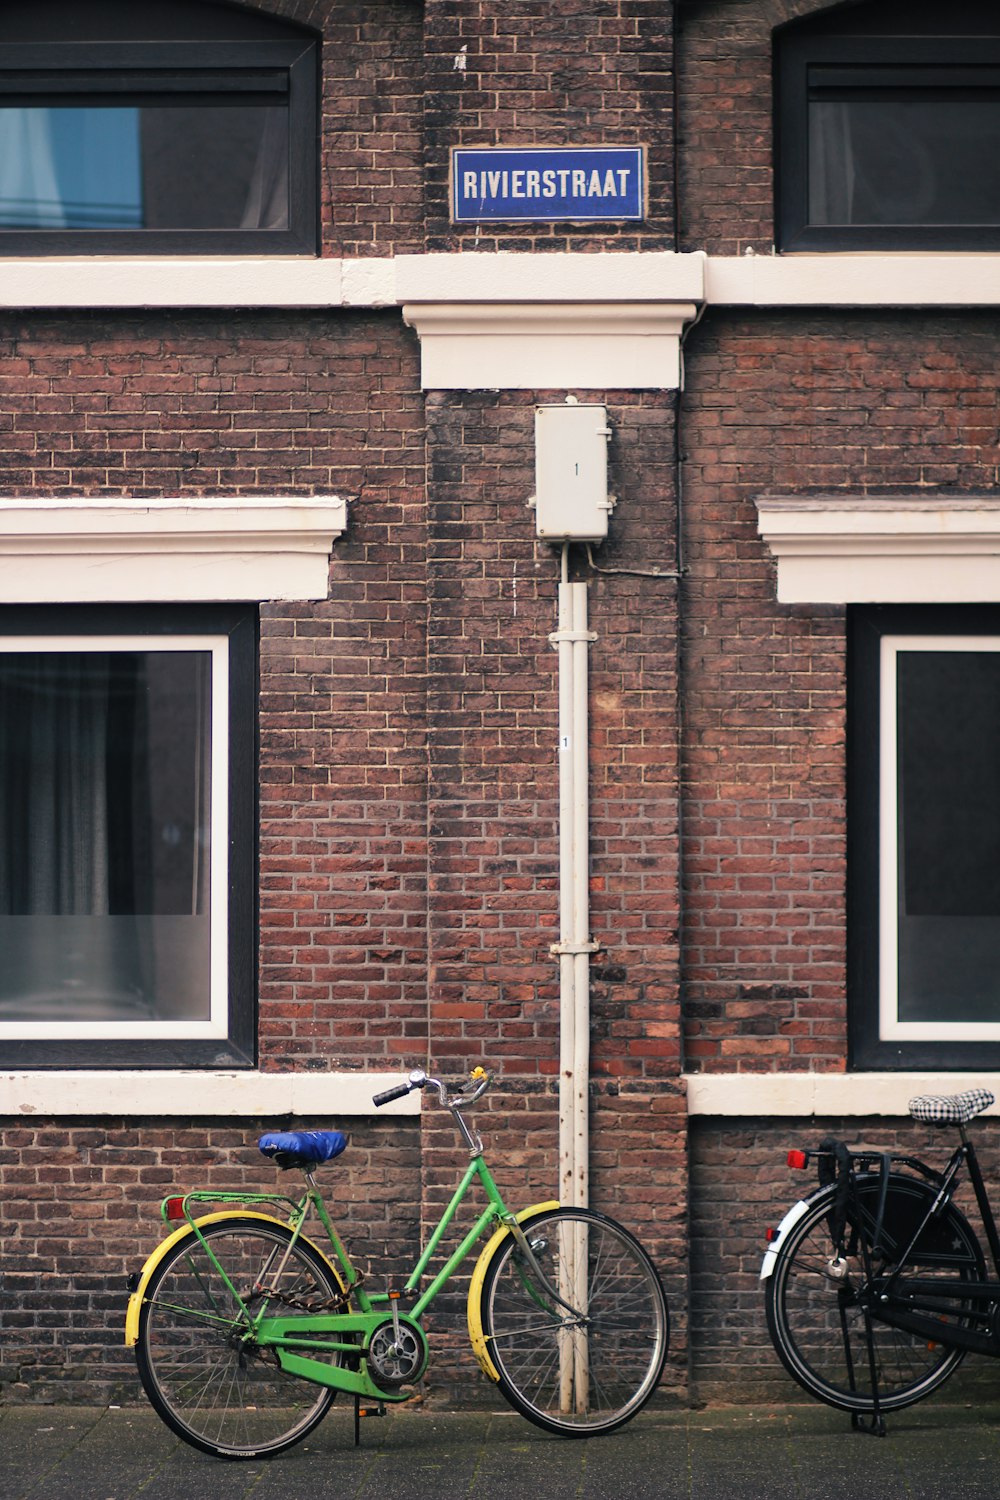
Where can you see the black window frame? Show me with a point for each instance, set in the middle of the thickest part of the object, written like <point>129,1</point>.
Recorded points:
<point>867,624</point>
<point>239,623</point>
<point>875,62</point>
<point>92,71</point>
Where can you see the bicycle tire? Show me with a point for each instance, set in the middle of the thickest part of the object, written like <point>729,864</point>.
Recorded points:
<point>576,1381</point>
<point>816,1322</point>
<point>202,1375</point>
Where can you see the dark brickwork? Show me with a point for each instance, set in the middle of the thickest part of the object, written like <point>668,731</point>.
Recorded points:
<point>725,180</point>
<point>408,722</point>
<point>779,404</point>
<point>574,73</point>
<point>81,1212</point>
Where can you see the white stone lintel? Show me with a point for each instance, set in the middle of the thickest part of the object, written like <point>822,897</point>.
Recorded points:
<point>549,346</point>
<point>838,549</point>
<point>208,548</point>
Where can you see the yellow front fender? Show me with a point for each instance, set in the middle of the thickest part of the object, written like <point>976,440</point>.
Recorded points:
<point>474,1309</point>
<point>138,1296</point>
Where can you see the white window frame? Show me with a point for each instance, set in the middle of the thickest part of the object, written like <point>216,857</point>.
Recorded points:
<point>891,1028</point>
<point>217,1023</point>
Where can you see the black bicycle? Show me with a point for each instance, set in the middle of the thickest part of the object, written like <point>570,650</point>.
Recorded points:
<point>876,1284</point>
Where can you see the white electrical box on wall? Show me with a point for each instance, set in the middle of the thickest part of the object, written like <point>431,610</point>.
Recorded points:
<point>571,497</point>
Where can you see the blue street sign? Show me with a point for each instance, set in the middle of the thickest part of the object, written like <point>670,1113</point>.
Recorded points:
<point>584,182</point>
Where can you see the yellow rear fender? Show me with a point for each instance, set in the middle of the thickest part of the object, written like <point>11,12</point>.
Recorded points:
<point>474,1308</point>
<point>139,1295</point>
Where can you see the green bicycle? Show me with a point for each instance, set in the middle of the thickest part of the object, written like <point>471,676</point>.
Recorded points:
<point>245,1329</point>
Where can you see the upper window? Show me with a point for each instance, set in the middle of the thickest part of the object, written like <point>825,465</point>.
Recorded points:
<point>126,835</point>
<point>165,127</point>
<point>888,128</point>
<point>924,837</point>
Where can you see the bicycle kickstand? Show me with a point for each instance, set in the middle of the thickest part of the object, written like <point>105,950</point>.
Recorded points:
<point>360,1410</point>
<point>876,1426</point>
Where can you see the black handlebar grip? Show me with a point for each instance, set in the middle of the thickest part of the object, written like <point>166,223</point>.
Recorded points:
<point>398,1092</point>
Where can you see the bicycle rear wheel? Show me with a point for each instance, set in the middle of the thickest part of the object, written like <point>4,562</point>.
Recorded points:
<point>816,1320</point>
<point>198,1365</point>
<point>588,1367</point>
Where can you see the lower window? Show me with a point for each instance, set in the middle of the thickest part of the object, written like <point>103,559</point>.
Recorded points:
<point>127,797</point>
<point>924,838</point>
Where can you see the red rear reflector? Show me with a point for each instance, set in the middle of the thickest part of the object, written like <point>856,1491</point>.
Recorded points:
<point>770,1234</point>
<point>175,1208</point>
<point>797,1159</point>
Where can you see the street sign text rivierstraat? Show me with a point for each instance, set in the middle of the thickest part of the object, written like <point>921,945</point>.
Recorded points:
<point>584,182</point>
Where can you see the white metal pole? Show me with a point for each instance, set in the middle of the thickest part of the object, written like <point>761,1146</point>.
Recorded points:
<point>567,968</point>
<point>581,899</point>
<point>572,639</point>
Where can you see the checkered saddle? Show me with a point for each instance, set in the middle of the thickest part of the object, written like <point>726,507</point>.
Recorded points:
<point>950,1109</point>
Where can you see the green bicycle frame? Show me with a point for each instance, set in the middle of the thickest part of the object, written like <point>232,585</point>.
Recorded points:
<point>294,1332</point>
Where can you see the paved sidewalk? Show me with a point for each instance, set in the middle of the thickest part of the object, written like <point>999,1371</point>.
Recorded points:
<point>768,1453</point>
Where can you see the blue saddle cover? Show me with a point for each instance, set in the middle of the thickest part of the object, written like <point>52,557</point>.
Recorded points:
<point>302,1148</point>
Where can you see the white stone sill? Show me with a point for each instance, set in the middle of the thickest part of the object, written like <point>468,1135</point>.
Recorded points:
<point>836,280</point>
<point>187,1095</point>
<point>333,1096</point>
<point>753,1095</point>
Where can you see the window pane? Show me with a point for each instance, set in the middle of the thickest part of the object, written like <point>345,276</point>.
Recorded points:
<point>924,159</point>
<point>948,801</point>
<point>70,169</point>
<point>105,835</point>
<point>210,165</point>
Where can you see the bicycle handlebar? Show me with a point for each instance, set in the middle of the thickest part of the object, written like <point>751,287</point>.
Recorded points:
<point>398,1092</point>
<point>479,1082</point>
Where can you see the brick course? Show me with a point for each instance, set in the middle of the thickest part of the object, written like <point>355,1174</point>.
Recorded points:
<point>775,404</point>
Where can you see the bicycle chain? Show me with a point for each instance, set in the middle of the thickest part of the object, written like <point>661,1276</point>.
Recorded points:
<point>341,1303</point>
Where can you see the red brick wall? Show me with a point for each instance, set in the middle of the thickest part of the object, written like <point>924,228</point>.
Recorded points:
<point>724,122</point>
<point>573,73</point>
<point>81,1212</point>
<point>371,197</point>
<point>408,746</point>
<point>780,403</point>
<point>492,727</point>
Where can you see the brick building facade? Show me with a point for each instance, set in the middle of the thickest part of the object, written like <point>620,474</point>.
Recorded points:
<point>341,445</point>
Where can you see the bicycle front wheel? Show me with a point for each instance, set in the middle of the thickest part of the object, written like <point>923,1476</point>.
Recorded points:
<point>198,1363</point>
<point>814,1301</point>
<point>577,1331</point>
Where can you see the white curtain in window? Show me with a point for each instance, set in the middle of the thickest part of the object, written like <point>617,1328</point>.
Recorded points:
<point>53,788</point>
<point>29,185</point>
<point>831,165</point>
<point>267,194</point>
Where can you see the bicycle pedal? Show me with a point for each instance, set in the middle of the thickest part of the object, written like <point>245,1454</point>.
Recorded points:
<point>371,1411</point>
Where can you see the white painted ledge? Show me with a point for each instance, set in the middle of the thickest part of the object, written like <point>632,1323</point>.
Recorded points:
<point>762,1095</point>
<point>210,281</point>
<point>862,280</point>
<point>549,346</point>
<point>306,282</point>
<point>509,277</point>
<point>834,549</point>
<point>315,1096</point>
<point>836,280</point>
<point>209,549</point>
